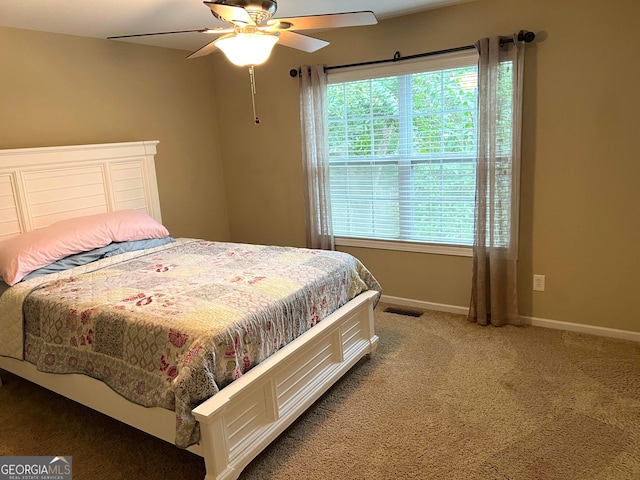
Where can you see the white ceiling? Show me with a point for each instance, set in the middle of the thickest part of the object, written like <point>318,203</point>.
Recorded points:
<point>91,18</point>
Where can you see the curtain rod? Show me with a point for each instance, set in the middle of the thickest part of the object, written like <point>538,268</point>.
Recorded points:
<point>523,36</point>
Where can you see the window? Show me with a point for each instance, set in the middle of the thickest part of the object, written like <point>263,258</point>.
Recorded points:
<point>402,151</point>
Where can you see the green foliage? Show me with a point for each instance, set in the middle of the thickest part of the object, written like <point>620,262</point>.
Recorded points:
<point>402,153</point>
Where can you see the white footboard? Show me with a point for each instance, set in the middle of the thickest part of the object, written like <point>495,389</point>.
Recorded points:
<point>243,418</point>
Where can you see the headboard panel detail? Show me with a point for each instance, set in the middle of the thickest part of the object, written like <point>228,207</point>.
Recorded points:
<point>129,186</point>
<point>9,210</point>
<point>53,195</point>
<point>40,186</point>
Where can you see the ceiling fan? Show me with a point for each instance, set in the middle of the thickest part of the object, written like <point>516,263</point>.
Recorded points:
<point>254,32</point>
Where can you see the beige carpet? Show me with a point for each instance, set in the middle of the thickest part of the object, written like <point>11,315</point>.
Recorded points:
<point>443,399</point>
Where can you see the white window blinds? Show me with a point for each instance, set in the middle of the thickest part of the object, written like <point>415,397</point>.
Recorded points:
<point>402,150</point>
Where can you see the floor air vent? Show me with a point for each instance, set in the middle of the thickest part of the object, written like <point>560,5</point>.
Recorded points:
<point>402,311</point>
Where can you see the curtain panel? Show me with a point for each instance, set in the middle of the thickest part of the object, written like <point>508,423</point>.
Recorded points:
<point>494,295</point>
<point>315,157</point>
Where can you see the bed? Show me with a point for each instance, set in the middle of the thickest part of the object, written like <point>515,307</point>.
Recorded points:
<point>268,370</point>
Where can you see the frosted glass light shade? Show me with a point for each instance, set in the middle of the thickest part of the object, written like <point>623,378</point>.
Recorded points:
<point>244,49</point>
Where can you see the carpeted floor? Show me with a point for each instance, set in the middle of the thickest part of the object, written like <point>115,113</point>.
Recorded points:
<point>442,399</point>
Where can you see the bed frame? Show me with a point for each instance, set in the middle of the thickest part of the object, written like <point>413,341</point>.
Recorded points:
<point>39,186</point>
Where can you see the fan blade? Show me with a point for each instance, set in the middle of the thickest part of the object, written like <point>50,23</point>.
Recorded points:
<point>334,20</point>
<point>206,50</point>
<point>300,41</point>
<point>202,30</point>
<point>229,13</point>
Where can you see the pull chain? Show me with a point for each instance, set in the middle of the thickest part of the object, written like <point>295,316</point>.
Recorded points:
<point>252,76</point>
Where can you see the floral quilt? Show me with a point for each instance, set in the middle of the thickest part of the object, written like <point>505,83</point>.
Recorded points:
<point>171,326</point>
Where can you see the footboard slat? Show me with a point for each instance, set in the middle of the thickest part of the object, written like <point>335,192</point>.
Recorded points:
<point>288,385</point>
<point>251,412</point>
<point>246,422</point>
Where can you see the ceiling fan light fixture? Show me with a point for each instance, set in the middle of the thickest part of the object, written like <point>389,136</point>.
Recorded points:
<point>245,49</point>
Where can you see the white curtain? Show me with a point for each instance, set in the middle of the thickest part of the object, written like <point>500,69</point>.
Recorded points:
<point>315,156</point>
<point>494,297</point>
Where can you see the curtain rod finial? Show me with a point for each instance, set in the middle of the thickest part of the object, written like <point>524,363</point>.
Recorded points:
<point>293,72</point>
<point>525,36</point>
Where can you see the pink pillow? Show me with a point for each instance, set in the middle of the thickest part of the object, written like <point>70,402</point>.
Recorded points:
<point>29,251</point>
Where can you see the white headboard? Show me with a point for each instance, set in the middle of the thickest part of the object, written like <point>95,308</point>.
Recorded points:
<point>40,186</point>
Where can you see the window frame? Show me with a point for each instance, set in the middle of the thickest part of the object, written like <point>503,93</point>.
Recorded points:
<point>446,61</point>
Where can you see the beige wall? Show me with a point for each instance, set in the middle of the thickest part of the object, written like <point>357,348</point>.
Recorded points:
<point>581,165</point>
<point>64,90</point>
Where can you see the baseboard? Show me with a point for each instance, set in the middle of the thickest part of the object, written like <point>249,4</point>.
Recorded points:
<point>438,307</point>
<point>534,322</point>
<point>582,328</point>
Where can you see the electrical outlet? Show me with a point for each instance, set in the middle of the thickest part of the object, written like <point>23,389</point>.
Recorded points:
<point>538,283</point>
